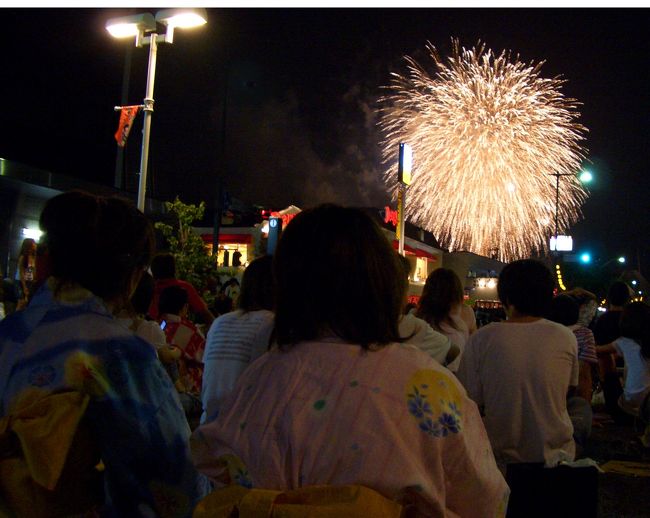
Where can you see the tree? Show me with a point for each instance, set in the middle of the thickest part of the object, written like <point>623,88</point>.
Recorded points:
<point>193,263</point>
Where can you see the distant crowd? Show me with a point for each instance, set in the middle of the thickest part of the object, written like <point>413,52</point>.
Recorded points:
<point>309,384</point>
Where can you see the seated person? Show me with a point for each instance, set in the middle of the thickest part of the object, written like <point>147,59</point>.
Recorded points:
<point>163,268</point>
<point>520,371</point>
<point>341,400</point>
<point>442,306</point>
<point>418,332</point>
<point>67,342</point>
<point>238,338</point>
<point>634,347</point>
<point>566,311</point>
<point>183,334</point>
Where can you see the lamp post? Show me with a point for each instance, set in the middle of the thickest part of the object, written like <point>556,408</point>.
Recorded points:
<point>585,177</point>
<point>143,27</point>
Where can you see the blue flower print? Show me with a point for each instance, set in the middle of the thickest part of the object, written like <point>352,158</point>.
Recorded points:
<point>454,409</point>
<point>448,424</point>
<point>429,426</point>
<point>417,404</point>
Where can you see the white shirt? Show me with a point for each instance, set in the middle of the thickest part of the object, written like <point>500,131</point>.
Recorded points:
<point>637,372</point>
<point>146,329</point>
<point>432,342</point>
<point>520,373</point>
<point>234,341</point>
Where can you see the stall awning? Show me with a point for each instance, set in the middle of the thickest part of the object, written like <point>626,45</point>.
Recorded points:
<point>416,251</point>
<point>240,239</point>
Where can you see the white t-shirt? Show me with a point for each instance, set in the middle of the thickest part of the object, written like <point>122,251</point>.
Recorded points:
<point>432,342</point>
<point>146,329</point>
<point>520,374</point>
<point>637,372</point>
<point>234,341</point>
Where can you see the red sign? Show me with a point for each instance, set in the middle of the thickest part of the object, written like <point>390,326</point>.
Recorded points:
<point>390,216</point>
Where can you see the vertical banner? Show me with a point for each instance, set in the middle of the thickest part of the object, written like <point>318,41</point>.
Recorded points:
<point>127,115</point>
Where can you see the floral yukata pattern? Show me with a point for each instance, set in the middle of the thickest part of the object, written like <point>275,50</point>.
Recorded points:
<point>332,413</point>
<point>434,403</point>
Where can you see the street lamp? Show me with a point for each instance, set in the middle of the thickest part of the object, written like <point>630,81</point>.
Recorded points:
<point>143,27</point>
<point>584,177</point>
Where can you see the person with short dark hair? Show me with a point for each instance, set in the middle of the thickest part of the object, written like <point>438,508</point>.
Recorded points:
<point>520,371</point>
<point>163,268</point>
<point>342,400</point>
<point>66,352</point>
<point>237,339</point>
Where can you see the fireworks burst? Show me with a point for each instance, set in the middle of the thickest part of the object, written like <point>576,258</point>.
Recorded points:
<point>487,134</point>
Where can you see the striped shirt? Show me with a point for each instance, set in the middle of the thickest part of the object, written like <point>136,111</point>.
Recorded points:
<point>234,341</point>
<point>586,344</point>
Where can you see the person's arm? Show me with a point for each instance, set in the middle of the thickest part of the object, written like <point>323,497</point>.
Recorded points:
<point>198,305</point>
<point>602,350</point>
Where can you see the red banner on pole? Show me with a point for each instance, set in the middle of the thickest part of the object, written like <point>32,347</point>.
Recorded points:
<point>127,114</point>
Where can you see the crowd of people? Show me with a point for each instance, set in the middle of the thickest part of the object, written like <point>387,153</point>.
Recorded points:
<point>114,401</point>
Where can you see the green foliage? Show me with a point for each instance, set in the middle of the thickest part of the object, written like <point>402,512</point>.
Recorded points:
<point>193,264</point>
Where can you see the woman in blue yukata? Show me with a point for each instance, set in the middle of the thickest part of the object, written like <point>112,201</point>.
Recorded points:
<point>89,419</point>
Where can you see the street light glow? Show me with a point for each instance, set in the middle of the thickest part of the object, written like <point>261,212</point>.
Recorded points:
<point>182,18</point>
<point>130,26</point>
<point>586,177</point>
<point>621,260</point>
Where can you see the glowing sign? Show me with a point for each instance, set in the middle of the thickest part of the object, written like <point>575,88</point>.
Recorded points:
<point>390,216</point>
<point>564,243</point>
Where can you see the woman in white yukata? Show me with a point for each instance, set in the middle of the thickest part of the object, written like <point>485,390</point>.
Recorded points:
<point>341,399</point>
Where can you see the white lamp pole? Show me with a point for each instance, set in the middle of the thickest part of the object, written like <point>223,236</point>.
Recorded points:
<point>146,131</point>
<point>137,26</point>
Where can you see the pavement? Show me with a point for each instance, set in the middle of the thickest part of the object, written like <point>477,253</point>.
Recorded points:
<point>624,492</point>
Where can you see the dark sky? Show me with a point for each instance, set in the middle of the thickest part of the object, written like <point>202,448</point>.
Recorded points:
<point>302,89</point>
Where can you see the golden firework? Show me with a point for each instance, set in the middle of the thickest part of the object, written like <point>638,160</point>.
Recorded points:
<point>488,133</point>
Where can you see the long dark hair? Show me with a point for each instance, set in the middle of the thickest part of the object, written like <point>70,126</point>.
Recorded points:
<point>336,274</point>
<point>635,324</point>
<point>442,291</point>
<point>96,241</point>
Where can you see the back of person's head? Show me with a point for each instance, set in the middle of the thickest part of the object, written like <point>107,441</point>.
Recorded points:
<point>618,294</point>
<point>564,310</point>
<point>172,300</point>
<point>143,294</point>
<point>442,291</point>
<point>337,275</point>
<point>257,285</point>
<point>527,285</point>
<point>163,266</point>
<point>98,242</point>
<point>635,324</point>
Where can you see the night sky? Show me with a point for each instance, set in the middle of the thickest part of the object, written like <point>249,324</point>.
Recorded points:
<point>299,90</point>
